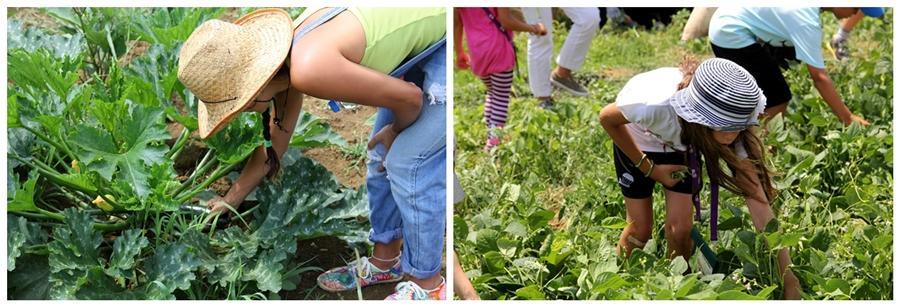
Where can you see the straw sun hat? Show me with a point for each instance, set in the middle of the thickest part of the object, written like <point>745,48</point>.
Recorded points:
<point>227,64</point>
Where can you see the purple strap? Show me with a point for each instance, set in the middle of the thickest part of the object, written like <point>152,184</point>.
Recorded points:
<point>714,212</point>
<point>694,164</point>
<point>695,181</point>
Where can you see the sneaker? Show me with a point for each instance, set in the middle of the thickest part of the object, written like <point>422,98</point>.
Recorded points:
<point>569,85</point>
<point>410,291</point>
<point>492,141</point>
<point>546,104</point>
<point>362,271</point>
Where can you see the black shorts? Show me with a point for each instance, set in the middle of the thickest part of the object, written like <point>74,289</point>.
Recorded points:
<point>633,182</point>
<point>764,66</point>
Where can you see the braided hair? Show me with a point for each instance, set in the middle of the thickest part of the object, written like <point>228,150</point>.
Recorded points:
<point>271,155</point>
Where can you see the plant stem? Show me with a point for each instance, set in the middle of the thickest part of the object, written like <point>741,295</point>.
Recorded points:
<point>49,141</point>
<point>204,166</point>
<point>218,173</point>
<point>179,144</point>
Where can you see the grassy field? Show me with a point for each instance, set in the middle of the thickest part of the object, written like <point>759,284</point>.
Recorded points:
<point>543,212</point>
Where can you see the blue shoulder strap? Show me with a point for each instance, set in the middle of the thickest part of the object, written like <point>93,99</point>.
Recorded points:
<point>318,22</point>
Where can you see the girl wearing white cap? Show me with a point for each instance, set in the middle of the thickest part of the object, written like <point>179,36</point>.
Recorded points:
<point>661,118</point>
<point>264,62</point>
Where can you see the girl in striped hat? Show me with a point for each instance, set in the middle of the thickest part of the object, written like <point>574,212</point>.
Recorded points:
<point>659,117</point>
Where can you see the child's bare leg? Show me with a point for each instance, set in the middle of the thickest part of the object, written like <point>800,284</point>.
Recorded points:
<point>639,215</point>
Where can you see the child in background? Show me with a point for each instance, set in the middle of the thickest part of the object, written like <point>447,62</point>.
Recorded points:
<point>492,57</point>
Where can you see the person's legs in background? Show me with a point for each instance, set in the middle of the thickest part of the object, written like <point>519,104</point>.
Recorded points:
<point>501,85</point>
<point>540,53</point>
<point>585,22</point>
<point>488,121</point>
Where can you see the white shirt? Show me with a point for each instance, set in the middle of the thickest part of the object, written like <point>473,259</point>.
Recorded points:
<point>644,101</point>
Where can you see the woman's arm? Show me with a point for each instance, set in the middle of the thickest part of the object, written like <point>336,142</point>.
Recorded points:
<point>326,73</point>
<point>511,21</point>
<point>614,123</point>
<point>826,88</point>
<point>256,168</point>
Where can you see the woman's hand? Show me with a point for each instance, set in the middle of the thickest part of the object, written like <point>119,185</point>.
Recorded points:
<point>662,173</point>
<point>462,60</point>
<point>386,137</point>
<point>218,205</point>
<point>539,29</point>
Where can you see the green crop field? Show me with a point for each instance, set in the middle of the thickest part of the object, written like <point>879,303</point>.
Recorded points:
<point>543,211</point>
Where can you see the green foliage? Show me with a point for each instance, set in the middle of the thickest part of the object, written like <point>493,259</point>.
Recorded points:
<point>314,133</point>
<point>126,143</point>
<point>170,26</point>
<point>33,38</point>
<point>543,211</point>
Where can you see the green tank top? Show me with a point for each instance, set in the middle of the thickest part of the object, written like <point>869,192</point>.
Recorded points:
<point>394,34</point>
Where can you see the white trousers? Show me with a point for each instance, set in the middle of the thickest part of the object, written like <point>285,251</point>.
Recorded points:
<point>585,21</point>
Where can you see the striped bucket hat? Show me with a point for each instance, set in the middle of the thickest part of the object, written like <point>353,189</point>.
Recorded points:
<point>722,95</point>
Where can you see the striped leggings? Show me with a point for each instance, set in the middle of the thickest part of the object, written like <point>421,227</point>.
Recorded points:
<point>496,101</point>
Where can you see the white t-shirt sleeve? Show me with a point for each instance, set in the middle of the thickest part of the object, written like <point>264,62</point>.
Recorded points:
<point>644,101</point>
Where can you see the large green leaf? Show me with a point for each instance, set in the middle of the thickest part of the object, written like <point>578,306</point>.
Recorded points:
<point>30,280</point>
<point>33,38</point>
<point>140,148</point>
<point>158,69</point>
<point>310,132</point>
<point>125,249</point>
<point>307,196</point>
<point>171,267</point>
<point>171,26</point>
<point>267,271</point>
<point>238,139</point>
<point>17,235</point>
<point>23,200</point>
<point>41,72</point>
<point>99,286</point>
<point>72,253</point>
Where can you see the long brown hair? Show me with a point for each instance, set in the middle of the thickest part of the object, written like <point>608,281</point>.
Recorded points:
<point>701,137</point>
<point>714,154</point>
